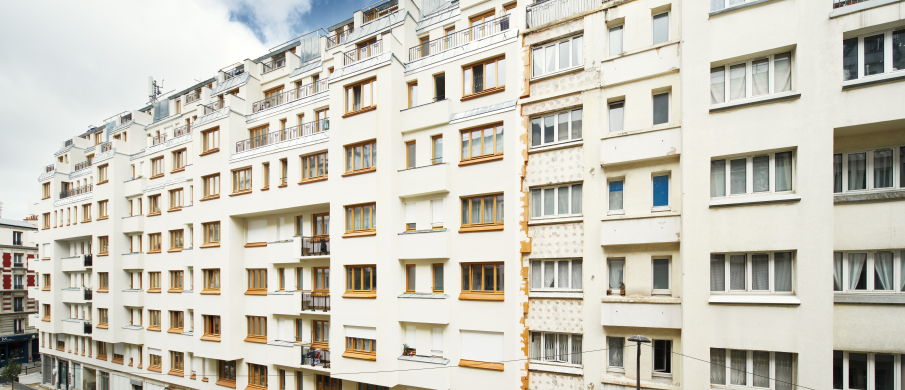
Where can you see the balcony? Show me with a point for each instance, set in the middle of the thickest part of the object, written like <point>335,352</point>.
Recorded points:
<point>89,294</point>
<point>182,130</point>
<point>125,118</point>
<point>652,229</point>
<point>73,326</point>
<point>363,53</point>
<point>159,139</point>
<point>73,295</point>
<point>642,312</point>
<point>378,10</point>
<point>317,301</point>
<point>134,224</point>
<point>426,115</point>
<point>82,165</point>
<point>133,334</point>
<point>844,3</point>
<point>89,260</point>
<point>214,106</point>
<point>133,260</point>
<point>19,287</point>
<point>550,10</point>
<point>106,147</point>
<point>239,70</point>
<point>78,190</point>
<point>133,187</point>
<point>424,308</point>
<point>300,131</point>
<point>291,95</point>
<point>460,38</point>
<point>18,309</point>
<point>315,246</point>
<point>18,265</point>
<point>192,97</point>
<point>425,180</point>
<point>133,298</point>
<point>424,244</point>
<point>87,328</point>
<point>637,147</point>
<point>74,263</point>
<point>315,357</point>
<point>338,39</point>
<point>274,64</point>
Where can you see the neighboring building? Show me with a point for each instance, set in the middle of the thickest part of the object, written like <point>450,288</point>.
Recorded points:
<point>18,337</point>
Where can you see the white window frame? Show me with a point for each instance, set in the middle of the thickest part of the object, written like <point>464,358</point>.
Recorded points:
<point>609,271</point>
<point>871,368</point>
<point>749,173</point>
<point>653,290</point>
<point>554,47</point>
<point>869,167</point>
<point>749,277</point>
<point>608,183</point>
<point>609,32</point>
<point>555,359</point>
<point>609,111</point>
<point>749,370</point>
<point>662,374</point>
<point>668,206</point>
<point>556,189</point>
<point>887,52</point>
<point>652,112</point>
<point>897,265</point>
<point>749,79</point>
<point>610,367</point>
<point>556,128</point>
<point>557,264</point>
<point>668,17</point>
<point>726,4</point>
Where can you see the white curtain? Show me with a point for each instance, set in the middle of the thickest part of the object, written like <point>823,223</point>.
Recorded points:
<point>717,84</point>
<point>563,273</point>
<point>738,176</point>
<point>562,200</point>
<point>615,351</point>
<point>855,265</point>
<point>761,369</point>
<point>782,64</point>
<point>782,271</point>
<point>783,371</point>
<point>549,346</point>
<point>739,365</point>
<point>562,349</point>
<point>760,272</point>
<point>760,77</point>
<point>837,271</point>
<point>857,171</point>
<point>784,171</point>
<point>537,58</point>
<point>536,274</point>
<point>883,168</point>
<point>883,267</point>
<point>576,199</point>
<point>576,349</point>
<point>717,366</point>
<point>761,177</point>
<point>549,198</point>
<point>616,116</point>
<point>737,272</point>
<point>616,269</point>
<point>717,272</point>
<point>737,83</point>
<point>549,273</point>
<point>717,178</point>
<point>576,274</point>
<point>535,203</point>
<point>615,195</point>
<point>535,353</point>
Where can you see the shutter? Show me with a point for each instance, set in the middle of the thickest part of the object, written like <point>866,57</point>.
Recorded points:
<point>437,213</point>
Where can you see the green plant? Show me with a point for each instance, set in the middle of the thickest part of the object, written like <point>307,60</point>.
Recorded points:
<point>12,370</point>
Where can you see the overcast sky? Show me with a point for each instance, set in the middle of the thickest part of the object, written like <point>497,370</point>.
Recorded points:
<point>68,65</point>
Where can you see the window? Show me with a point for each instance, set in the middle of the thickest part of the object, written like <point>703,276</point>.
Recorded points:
<point>852,271</point>
<point>46,190</point>
<point>177,361</point>
<point>257,327</point>
<point>361,278</point>
<point>314,166</point>
<point>615,349</point>
<point>101,174</point>
<point>226,370</point>
<point>661,192</point>
<point>210,140</point>
<point>616,40</point>
<point>437,149</point>
<point>176,281</point>
<point>179,157</point>
<point>485,278</point>
<point>616,269</point>
<point>321,332</point>
<point>556,201</point>
<point>211,280</point>
<point>360,96</point>
<point>156,167</point>
<point>155,320</point>
<point>874,371</point>
<point>661,28</point>
<point>154,278</point>
<point>46,220</point>
<point>439,87</point>
<point>869,170</point>
<point>176,237</point>
<point>437,278</point>
<point>321,278</point>
<point>556,274</point>
<point>153,204</point>
<point>361,345</point>
<point>661,108</point>
<point>325,382</point>
<point>211,233</point>
<point>755,77</point>
<point>154,238</point>
<point>617,116</point>
<point>284,171</point>
<point>662,356</point>
<point>322,120</point>
<point>560,127</point>
<point>752,368</point>
<point>661,276</point>
<point>281,277</point>
<point>101,350</point>
<point>176,199</point>
<point>410,155</point>
<point>482,211</point>
<point>410,273</point>
<point>751,174</point>
<point>86,212</point>
<point>104,243</point>
<point>365,386</point>
<point>485,76</point>
<point>482,142</point>
<point>361,156</point>
<point>212,326</point>
<point>361,218</point>
<point>257,280</point>
<point>413,94</point>
<point>873,54</point>
<point>557,56</point>
<point>555,347</point>
<point>477,25</point>
<point>176,321</point>
<point>156,362</point>
<point>103,281</point>
<point>101,315</point>
<point>242,180</point>
<point>768,272</point>
<point>211,185</point>
<point>46,281</point>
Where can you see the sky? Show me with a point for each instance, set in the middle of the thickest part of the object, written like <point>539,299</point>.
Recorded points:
<point>68,65</point>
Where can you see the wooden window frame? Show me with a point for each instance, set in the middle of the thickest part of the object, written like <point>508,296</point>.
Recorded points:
<point>481,226</point>
<point>257,281</point>
<point>102,174</point>
<point>102,318</point>
<point>371,292</point>
<point>208,229</point>
<point>155,363</point>
<point>157,169</point>
<point>256,328</point>
<point>180,160</point>
<point>211,186</point>
<point>177,363</point>
<point>468,293</point>
<point>210,137</point>
<point>103,282</point>
<point>102,212</point>
<point>177,240</point>
<point>409,85</point>
<point>320,344</point>
<point>265,176</point>
<point>281,278</point>
<point>324,278</point>
<point>362,108</point>
<point>496,130</point>
<point>154,238</point>
<point>154,282</point>
<point>154,320</point>
<point>434,149</point>
<point>313,161</point>
<point>257,376</point>
<point>356,348</point>
<point>211,281</point>
<point>497,86</point>
<point>103,243</point>
<point>318,221</point>
<point>244,175</point>
<point>154,205</point>
<point>176,318</point>
<point>434,277</point>
<point>177,281</point>
<point>410,271</point>
<point>177,199</point>
<point>372,210</point>
<point>212,328</point>
<point>411,154</point>
<point>349,157</point>
<point>46,188</point>
<point>226,373</point>
<point>318,118</point>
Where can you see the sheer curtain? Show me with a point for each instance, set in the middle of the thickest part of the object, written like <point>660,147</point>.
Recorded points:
<point>784,171</point>
<point>718,178</point>
<point>760,272</point>
<point>563,348</point>
<point>737,272</point>
<point>616,269</point>
<point>717,84</point>
<point>782,64</point>
<point>737,176</point>
<point>739,365</point>
<point>737,83</point>
<point>837,271</point>
<point>761,369</point>
<point>782,271</point>
<point>549,273</point>
<point>563,200</point>
<point>563,281</point>
<point>857,179</point>
<point>536,274</point>
<point>760,77</point>
<point>761,167</point>
<point>549,346</point>
<point>783,371</point>
<point>902,268</point>
<point>535,353</point>
<point>576,349</point>
<point>855,265</point>
<point>717,366</point>
<point>615,195</point>
<point>883,268</point>
<point>576,274</point>
<point>615,351</point>
<point>717,272</point>
<point>883,168</point>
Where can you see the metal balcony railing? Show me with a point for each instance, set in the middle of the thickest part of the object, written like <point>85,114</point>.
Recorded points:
<point>233,73</point>
<point>290,95</point>
<point>213,106</point>
<point>459,38</point>
<point>338,39</point>
<point>274,64</point>
<point>316,301</point>
<point>49,168</point>
<point>378,10</point>
<point>106,147</point>
<point>843,3</point>
<point>316,246</point>
<point>363,53</point>
<point>182,130</point>
<point>18,308</point>
<point>18,265</point>
<point>125,118</point>
<point>89,260</point>
<point>83,165</point>
<point>550,10</point>
<point>18,287</point>
<point>159,139</point>
<point>77,191</point>
<point>87,329</point>
<point>283,135</point>
<point>88,294</point>
<point>192,97</point>
<point>68,143</point>
<point>316,357</point>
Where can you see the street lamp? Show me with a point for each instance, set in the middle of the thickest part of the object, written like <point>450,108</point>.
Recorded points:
<point>638,339</point>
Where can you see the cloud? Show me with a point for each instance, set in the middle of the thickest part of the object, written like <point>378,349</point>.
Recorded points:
<point>273,21</point>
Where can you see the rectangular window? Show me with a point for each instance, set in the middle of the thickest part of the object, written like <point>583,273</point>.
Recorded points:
<point>482,142</point>
<point>155,281</point>
<point>257,280</point>
<point>176,321</point>
<point>752,174</point>
<point>616,273</point>
<point>661,276</point>
<point>410,274</point>
<point>155,320</point>
<point>361,345</point>
<point>104,244</point>
<point>176,281</point>
<point>101,315</point>
<point>265,173</point>
<point>556,275</point>
<point>486,278</point>
<point>755,77</point>
<point>212,326</point>
<point>615,196</point>
<point>413,94</point>
<point>439,87</point>
<point>46,190</point>
<point>284,171</point>
<point>615,346</point>
<point>153,205</point>
<point>210,140</point>
<point>482,210</point>
<point>662,356</point>
<point>661,108</point>
<point>321,330</point>
<point>102,174</point>
<point>155,362</point>
<point>211,280</point>
<point>211,185</point>
<point>226,370</point>
<point>661,192</point>
<point>557,56</point>
<point>869,271</point>
<point>257,326</point>
<point>869,170</point>
<point>437,149</point>
<point>617,116</point>
<point>767,272</point>
<point>361,218</point>
<point>211,233</point>
<point>484,76</point>
<point>314,166</point>
<point>176,239</point>
<point>873,54</point>
<point>361,156</point>
<point>321,278</point>
<point>86,211</point>
<point>155,241</point>
<point>555,347</point>
<point>257,375</point>
<point>361,278</point>
<point>556,201</point>
<point>179,160</point>
<point>555,128</point>
<point>410,150</point>
<point>361,96</point>
<point>157,167</point>
<point>242,180</point>
<point>103,281</point>
<point>437,278</point>
<point>661,28</point>
<point>769,369</point>
<point>616,40</point>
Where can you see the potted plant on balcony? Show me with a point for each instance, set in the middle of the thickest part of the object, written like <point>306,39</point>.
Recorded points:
<point>407,351</point>
<point>622,289</point>
<point>609,291</point>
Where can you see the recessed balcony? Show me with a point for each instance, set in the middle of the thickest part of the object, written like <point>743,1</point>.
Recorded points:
<point>653,229</point>
<point>424,244</point>
<point>134,224</point>
<point>424,308</point>
<point>460,38</point>
<point>133,298</point>
<point>642,312</point>
<point>78,263</point>
<point>425,180</point>
<point>426,115</point>
<point>363,52</point>
<point>133,260</point>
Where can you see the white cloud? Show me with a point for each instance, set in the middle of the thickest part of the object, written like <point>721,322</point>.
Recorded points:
<point>273,18</point>
<point>66,65</point>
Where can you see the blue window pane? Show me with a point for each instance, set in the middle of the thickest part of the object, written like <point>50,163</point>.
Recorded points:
<point>661,191</point>
<point>616,186</point>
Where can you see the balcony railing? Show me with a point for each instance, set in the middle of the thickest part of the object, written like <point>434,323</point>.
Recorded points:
<point>290,95</point>
<point>843,3</point>
<point>89,260</point>
<point>106,147</point>
<point>68,143</point>
<point>192,97</point>
<point>550,10</point>
<point>363,53</point>
<point>18,265</point>
<point>83,165</point>
<point>18,287</point>
<point>477,31</point>
<point>125,118</point>
<point>213,106</point>
<point>87,329</point>
<point>338,39</point>
<point>18,331</point>
<point>88,294</point>
<point>283,135</point>
<point>316,301</point>
<point>76,191</point>
<point>159,139</point>
<point>316,246</point>
<point>316,357</point>
<point>49,168</point>
<point>233,73</point>
<point>274,64</point>
<point>183,130</point>
<point>18,308</point>
<point>378,10</point>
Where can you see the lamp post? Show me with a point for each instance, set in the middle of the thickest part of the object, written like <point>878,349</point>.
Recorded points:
<point>638,339</point>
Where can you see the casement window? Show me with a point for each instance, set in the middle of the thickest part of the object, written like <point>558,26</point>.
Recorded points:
<point>662,357</point>
<point>557,56</point>
<point>211,232</point>
<point>615,35</point>
<point>86,213</point>
<point>661,108</point>
<point>101,350</point>
<point>257,280</point>
<point>361,96</point>
<point>154,278</point>
<point>482,211</point>
<point>437,278</point>
<point>284,171</point>
<point>361,156</point>
<point>482,142</point>
<point>265,173</point>
<point>661,276</point>
<point>873,54</point>
<point>157,167</point>
<point>211,280</point>
<point>176,321</point>
<point>155,240</point>
<point>867,370</point>
<point>556,201</point>
<point>101,315</point>
<point>156,362</point>
<point>440,86</point>
<point>485,278</point>
<point>869,170</point>
<point>478,25</point>
<point>615,352</point>
<point>177,361</point>
<point>212,326</point>
<point>102,174</point>
<point>321,224</point>
<point>176,199</point>
<point>314,166</point>
<point>45,190</point>
<point>257,137</point>
<point>753,369</point>
<point>412,94</point>
<point>176,239</point>
<point>226,370</point>
<point>257,327</point>
<point>753,174</point>
<point>179,160</point>
<point>153,205</point>
<point>616,116</point>
<point>410,216</point>
<point>437,149</point>
<point>281,278</point>
<point>46,280</point>
<point>103,281</point>
<point>104,244</point>
<point>755,77</point>
<point>616,273</point>
<point>661,27</point>
<point>46,220</point>
<point>242,180</point>
<point>555,128</point>
<point>410,154</point>
<point>556,275</point>
<point>361,218</point>
<point>410,275</point>
<point>210,141</point>
<point>361,345</point>
<point>176,281</point>
<point>555,347</point>
<point>321,332</point>
<point>485,76</point>
<point>321,278</point>
<point>765,272</point>
<point>321,120</point>
<point>869,271</point>
<point>660,184</point>
<point>361,278</point>
<point>155,320</point>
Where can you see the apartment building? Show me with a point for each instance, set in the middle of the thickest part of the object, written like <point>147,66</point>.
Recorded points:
<point>18,337</point>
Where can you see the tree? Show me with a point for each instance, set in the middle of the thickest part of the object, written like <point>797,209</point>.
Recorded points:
<point>11,372</point>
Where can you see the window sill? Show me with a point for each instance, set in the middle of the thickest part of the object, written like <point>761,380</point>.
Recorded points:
<point>87,220</point>
<point>225,383</point>
<point>361,294</point>
<point>754,101</point>
<point>176,373</point>
<point>255,244</point>
<point>48,289</point>
<point>211,245</point>
<point>175,330</point>
<point>556,294</point>
<point>313,180</point>
<point>103,254</point>
<point>155,369</point>
<point>256,292</point>
<point>210,197</point>
<point>267,188</point>
<point>284,185</point>
<point>102,218</point>
<point>483,93</point>
<point>243,192</point>
<point>361,111</point>
<point>891,298</point>
<point>209,151</point>
<point>873,80</point>
<point>48,320</point>
<point>174,250</point>
<point>481,365</point>
<point>103,182</point>
<point>651,299</point>
<point>154,252</point>
<point>45,198</point>
<point>754,199</point>
<point>256,339</point>
<point>477,296</point>
<point>210,292</point>
<point>476,229</point>
<point>117,361</point>
<point>358,172</point>
<point>561,72</point>
<point>210,338</point>
<point>480,160</point>
<point>849,9</point>
<point>103,290</point>
<point>255,387</point>
<point>174,209</point>
<point>178,170</point>
<point>156,176</point>
<point>553,220</point>
<point>556,146</point>
<point>175,290</point>
<point>360,234</point>
<point>865,196</point>
<point>154,290</point>
<point>739,6</point>
<point>154,214</point>
<point>755,299</point>
<point>556,368</point>
<point>360,355</point>
<point>154,328</point>
<point>616,376</point>
<point>101,357</point>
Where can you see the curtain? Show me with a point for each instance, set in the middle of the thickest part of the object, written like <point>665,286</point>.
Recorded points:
<point>717,83</point>
<point>761,174</point>
<point>883,268</point>
<point>837,271</point>
<point>549,198</point>
<point>576,124</point>
<point>535,346</point>
<point>760,77</point>
<point>737,176</point>
<point>782,271</point>
<point>837,173</point>
<point>576,199</point>
<point>549,346</point>
<point>549,273</point>
<point>576,349</point>
<point>616,116</point>
<point>616,195</point>
<point>717,366</point>
<point>737,81</point>
<point>536,274</point>
<point>563,348</point>
<point>737,272</point>
<point>760,272</point>
<point>883,168</point>
<point>784,171</point>
<point>857,171</point>
<point>576,274</point>
<point>616,40</point>
<point>761,369</point>
<point>616,273</point>
<point>563,281</point>
<point>783,371</point>
<point>535,203</point>
<point>537,59</point>
<point>615,351</point>
<point>739,364</point>
<point>551,58</point>
<point>562,200</point>
<point>856,263</point>
<point>717,272</point>
<point>717,178</point>
<point>782,64</point>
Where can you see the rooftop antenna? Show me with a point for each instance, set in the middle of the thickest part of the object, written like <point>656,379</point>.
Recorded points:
<point>154,89</point>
